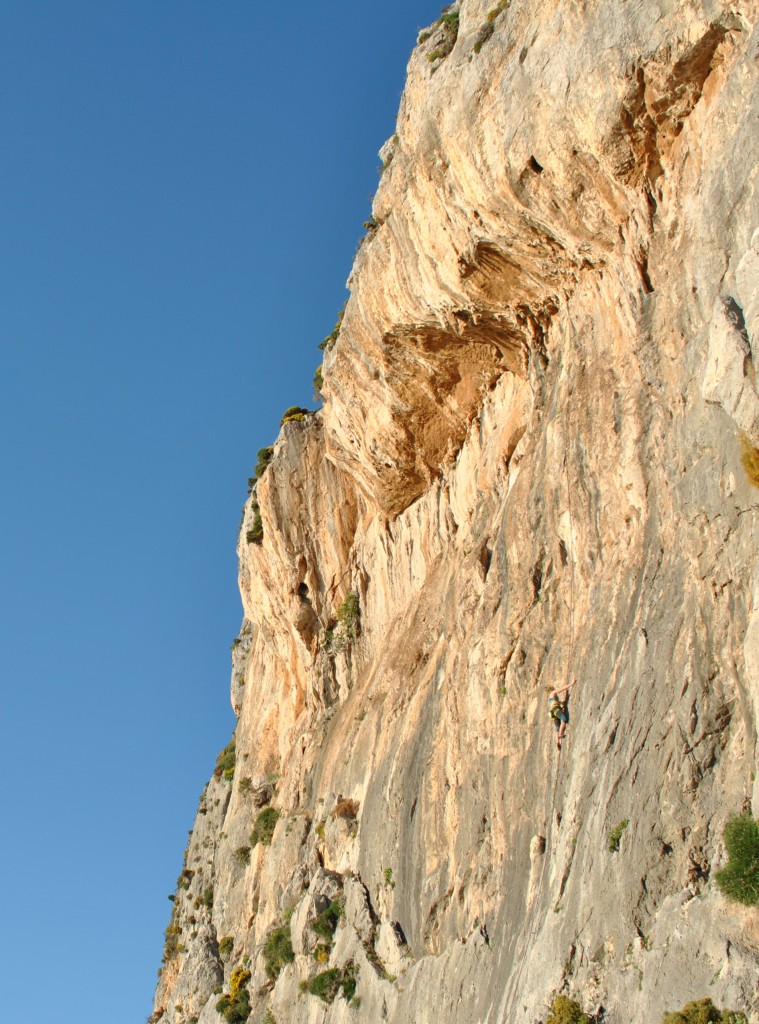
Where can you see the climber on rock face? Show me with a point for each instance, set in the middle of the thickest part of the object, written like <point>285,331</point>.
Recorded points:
<point>558,709</point>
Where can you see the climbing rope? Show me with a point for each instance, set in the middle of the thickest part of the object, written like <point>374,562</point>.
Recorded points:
<point>570,555</point>
<point>536,920</point>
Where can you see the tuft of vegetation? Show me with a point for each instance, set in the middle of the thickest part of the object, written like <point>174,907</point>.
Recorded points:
<point>749,460</point>
<point>449,22</point>
<point>347,809</point>
<point>329,342</point>
<point>235,1006</point>
<point>703,1011</point>
<point>566,1011</point>
<point>278,951</point>
<point>171,944</point>
<point>325,923</point>
<point>329,983</point>
<point>389,158</point>
<point>347,629</point>
<point>498,9</point>
<point>615,835</point>
<point>263,827</point>
<point>245,785</point>
<point>208,897</point>
<point>348,616</point>
<point>242,855</point>
<point>370,227</point>
<point>256,533</point>
<point>265,455</point>
<point>185,879</point>
<point>318,382</point>
<point>225,762</point>
<point>488,27</point>
<point>389,881</point>
<point>269,1018</point>
<point>294,414</point>
<point>739,879</point>
<point>226,945</point>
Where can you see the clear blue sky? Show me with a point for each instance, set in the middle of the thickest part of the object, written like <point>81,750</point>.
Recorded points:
<point>182,187</point>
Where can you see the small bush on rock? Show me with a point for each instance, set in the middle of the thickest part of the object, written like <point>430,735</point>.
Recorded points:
<point>566,1011</point>
<point>265,455</point>
<point>703,1011</point>
<point>347,809</point>
<point>256,533</point>
<point>235,1007</point>
<point>329,341</point>
<point>348,616</point>
<point>450,23</point>
<point>295,414</point>
<point>327,984</point>
<point>263,829</point>
<point>750,460</point>
<point>615,835</point>
<point>347,629</point>
<point>278,951</point>
<point>739,879</point>
<point>225,762</point>
<point>498,9</point>
<point>242,855</point>
<point>324,924</point>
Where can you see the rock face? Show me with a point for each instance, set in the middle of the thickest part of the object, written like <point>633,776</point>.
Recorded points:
<point>526,471</point>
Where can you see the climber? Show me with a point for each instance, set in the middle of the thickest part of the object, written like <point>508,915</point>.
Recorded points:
<point>558,709</point>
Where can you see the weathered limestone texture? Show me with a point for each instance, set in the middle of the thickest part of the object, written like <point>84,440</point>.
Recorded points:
<point>527,471</point>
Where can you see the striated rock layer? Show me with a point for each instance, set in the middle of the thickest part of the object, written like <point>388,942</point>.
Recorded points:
<point>526,471</point>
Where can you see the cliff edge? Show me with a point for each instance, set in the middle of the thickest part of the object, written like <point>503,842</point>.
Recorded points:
<point>527,471</point>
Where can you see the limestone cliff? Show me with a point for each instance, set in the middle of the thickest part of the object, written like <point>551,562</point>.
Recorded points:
<point>526,471</point>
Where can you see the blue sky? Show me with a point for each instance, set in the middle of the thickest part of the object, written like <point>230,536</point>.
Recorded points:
<point>182,188</point>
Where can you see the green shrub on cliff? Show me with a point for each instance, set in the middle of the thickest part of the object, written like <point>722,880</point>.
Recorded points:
<point>327,984</point>
<point>295,414</point>
<point>739,879</point>
<point>450,23</point>
<point>225,762</point>
<point>256,533</point>
<point>325,923</point>
<point>347,629</point>
<point>331,338</point>
<point>242,855</point>
<point>348,616</point>
<point>615,835</point>
<point>235,1006</point>
<point>278,951</point>
<point>263,828</point>
<point>265,455</point>
<point>703,1011</point>
<point>318,383</point>
<point>566,1011</point>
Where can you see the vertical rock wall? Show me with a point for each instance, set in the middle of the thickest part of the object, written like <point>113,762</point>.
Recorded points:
<point>526,471</point>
